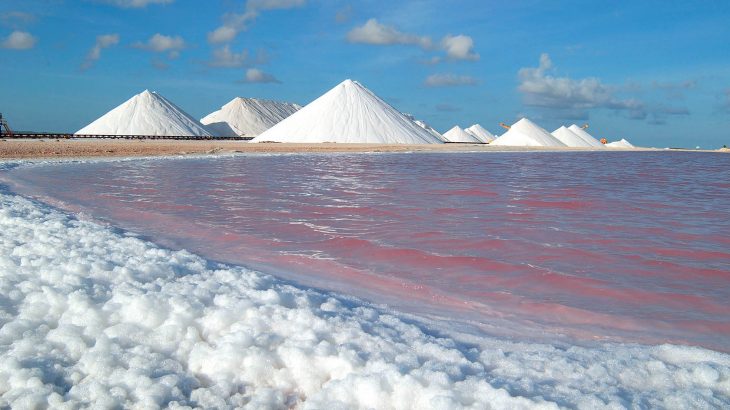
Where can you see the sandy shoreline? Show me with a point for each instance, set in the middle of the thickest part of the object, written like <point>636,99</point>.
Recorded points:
<point>51,148</point>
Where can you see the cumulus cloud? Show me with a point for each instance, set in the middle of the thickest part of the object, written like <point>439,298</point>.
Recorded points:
<point>134,4</point>
<point>459,47</point>
<point>256,5</point>
<point>19,40</point>
<point>540,89</point>
<point>373,32</point>
<point>102,42</point>
<point>254,75</point>
<point>234,23</point>
<point>158,43</point>
<point>225,58</point>
<point>449,80</point>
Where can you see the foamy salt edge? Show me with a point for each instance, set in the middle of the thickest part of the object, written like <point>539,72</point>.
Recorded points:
<point>90,315</point>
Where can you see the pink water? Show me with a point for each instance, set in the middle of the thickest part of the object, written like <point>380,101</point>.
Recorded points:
<point>589,246</point>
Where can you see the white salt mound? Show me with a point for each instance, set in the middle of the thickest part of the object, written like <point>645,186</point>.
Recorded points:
<point>147,113</point>
<point>583,134</point>
<point>348,113</point>
<point>525,133</point>
<point>480,133</point>
<point>569,138</point>
<point>457,134</point>
<point>247,117</point>
<point>620,144</point>
<point>92,317</point>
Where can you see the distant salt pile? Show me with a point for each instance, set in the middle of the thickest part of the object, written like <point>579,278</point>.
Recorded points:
<point>525,133</point>
<point>348,113</point>
<point>247,117</point>
<point>457,134</point>
<point>620,144</point>
<point>570,138</point>
<point>147,113</point>
<point>583,134</point>
<point>480,133</point>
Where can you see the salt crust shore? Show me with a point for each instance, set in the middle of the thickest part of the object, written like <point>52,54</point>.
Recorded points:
<point>20,149</point>
<point>94,316</point>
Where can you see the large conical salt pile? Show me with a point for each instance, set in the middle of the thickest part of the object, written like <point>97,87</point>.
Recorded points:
<point>620,144</point>
<point>348,113</point>
<point>480,133</point>
<point>457,134</point>
<point>569,138</point>
<point>525,133</point>
<point>585,136</point>
<point>247,117</point>
<point>147,113</point>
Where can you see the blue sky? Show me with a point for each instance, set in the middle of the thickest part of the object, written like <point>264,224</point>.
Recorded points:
<point>654,72</point>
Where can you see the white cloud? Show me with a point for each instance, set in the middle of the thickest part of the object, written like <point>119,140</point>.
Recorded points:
<point>373,32</point>
<point>459,47</point>
<point>234,23</point>
<point>541,89</point>
<point>134,4</point>
<point>255,5</point>
<point>449,80</point>
<point>223,34</point>
<point>225,58</point>
<point>102,42</point>
<point>160,43</point>
<point>254,75</point>
<point>19,40</point>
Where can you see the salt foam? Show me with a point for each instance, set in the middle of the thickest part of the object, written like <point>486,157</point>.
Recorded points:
<point>92,316</point>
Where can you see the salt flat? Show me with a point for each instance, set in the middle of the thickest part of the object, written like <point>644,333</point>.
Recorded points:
<point>50,148</point>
